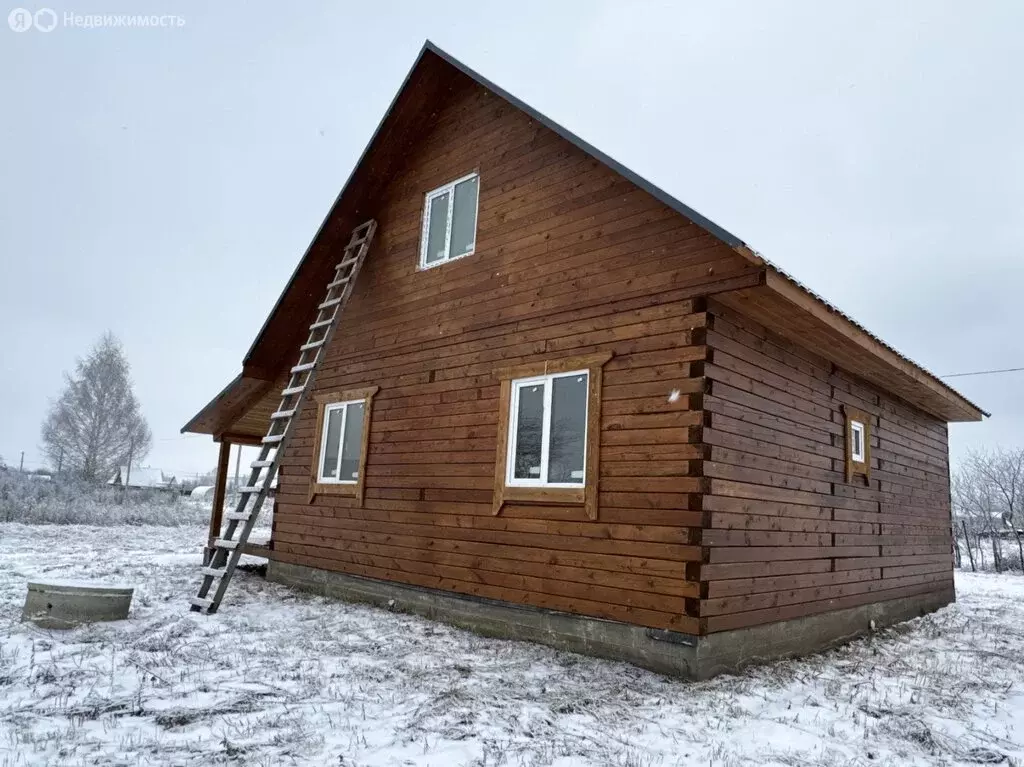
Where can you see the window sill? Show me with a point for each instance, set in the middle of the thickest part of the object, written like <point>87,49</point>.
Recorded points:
<point>560,496</point>
<point>547,496</point>
<point>424,267</point>
<point>334,488</point>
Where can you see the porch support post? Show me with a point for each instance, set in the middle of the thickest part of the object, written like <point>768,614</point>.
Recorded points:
<point>219,488</point>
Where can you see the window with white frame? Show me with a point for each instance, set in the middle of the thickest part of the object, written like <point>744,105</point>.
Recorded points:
<point>341,443</point>
<point>857,452</point>
<point>547,443</point>
<point>449,221</point>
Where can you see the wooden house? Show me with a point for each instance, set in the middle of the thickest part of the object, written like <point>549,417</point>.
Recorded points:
<point>561,405</point>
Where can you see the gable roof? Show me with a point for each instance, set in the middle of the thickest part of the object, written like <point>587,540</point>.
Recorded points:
<point>431,74</point>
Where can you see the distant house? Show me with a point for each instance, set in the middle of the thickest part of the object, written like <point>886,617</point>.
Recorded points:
<point>142,477</point>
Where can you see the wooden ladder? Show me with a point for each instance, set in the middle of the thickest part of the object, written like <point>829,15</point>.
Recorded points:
<point>239,523</point>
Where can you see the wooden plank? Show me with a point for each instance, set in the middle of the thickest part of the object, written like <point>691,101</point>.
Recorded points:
<point>776,584</point>
<point>756,617</point>
<point>676,622</point>
<point>795,598</point>
<point>505,573</point>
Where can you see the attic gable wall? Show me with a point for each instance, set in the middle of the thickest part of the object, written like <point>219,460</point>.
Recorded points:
<point>571,259</point>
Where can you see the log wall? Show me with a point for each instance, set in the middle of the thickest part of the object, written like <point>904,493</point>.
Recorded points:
<point>786,535</point>
<point>570,259</point>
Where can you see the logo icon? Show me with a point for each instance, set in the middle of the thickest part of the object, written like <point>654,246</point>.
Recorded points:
<point>45,19</point>
<point>20,20</point>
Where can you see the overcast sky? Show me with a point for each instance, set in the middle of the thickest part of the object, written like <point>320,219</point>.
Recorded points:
<point>163,183</point>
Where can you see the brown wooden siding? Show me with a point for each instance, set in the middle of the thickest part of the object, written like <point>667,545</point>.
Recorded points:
<point>785,534</point>
<point>570,259</point>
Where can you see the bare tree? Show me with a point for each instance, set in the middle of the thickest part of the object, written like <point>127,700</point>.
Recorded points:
<point>96,422</point>
<point>974,507</point>
<point>1004,472</point>
<point>988,498</point>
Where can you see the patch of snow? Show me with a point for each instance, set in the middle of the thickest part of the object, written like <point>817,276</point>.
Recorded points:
<point>66,583</point>
<point>277,677</point>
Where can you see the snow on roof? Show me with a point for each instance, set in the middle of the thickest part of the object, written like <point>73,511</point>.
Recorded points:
<point>139,476</point>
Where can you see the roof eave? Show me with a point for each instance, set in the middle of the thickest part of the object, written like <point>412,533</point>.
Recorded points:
<point>221,411</point>
<point>798,295</point>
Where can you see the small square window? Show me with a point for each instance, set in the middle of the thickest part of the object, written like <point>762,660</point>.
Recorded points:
<point>548,431</point>
<point>857,441</point>
<point>449,221</point>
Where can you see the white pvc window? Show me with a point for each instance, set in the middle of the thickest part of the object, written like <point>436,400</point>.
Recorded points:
<point>342,442</point>
<point>449,221</point>
<point>547,444</point>
<point>857,451</point>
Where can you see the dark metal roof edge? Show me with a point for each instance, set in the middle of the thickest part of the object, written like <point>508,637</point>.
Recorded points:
<point>725,236</point>
<point>376,132</point>
<point>843,315</point>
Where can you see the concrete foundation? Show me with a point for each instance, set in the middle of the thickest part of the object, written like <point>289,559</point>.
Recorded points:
<point>667,652</point>
<point>66,605</point>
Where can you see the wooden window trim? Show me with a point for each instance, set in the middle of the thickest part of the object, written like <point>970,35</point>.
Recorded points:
<point>356,489</point>
<point>448,188</point>
<point>857,468</point>
<point>585,496</point>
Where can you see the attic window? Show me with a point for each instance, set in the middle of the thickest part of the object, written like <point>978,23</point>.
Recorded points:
<point>858,443</point>
<point>449,221</point>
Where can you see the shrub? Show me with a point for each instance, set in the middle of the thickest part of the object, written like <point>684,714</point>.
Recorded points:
<point>64,501</point>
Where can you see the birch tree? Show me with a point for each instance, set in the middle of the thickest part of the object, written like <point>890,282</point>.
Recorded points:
<point>96,422</point>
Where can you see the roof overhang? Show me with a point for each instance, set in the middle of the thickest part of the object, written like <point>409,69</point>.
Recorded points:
<point>219,415</point>
<point>788,308</point>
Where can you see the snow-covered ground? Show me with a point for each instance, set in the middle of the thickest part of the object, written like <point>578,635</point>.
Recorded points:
<point>280,678</point>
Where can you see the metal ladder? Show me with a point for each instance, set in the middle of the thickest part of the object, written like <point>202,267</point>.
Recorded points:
<point>235,534</point>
